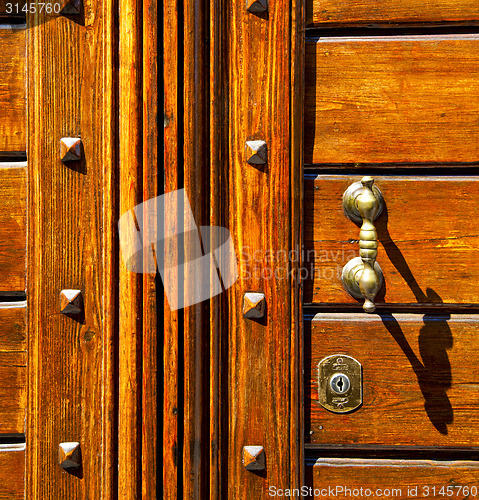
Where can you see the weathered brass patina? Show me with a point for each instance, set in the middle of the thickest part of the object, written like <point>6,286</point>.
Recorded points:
<point>362,277</point>
<point>340,383</point>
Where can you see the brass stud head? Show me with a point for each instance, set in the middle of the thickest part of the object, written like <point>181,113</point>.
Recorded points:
<point>70,6</point>
<point>254,458</point>
<point>71,302</point>
<point>256,152</point>
<point>254,305</point>
<point>255,6</point>
<point>69,455</point>
<point>70,148</point>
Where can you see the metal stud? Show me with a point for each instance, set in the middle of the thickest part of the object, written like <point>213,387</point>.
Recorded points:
<point>70,148</point>
<point>256,6</point>
<point>254,458</point>
<point>254,305</point>
<point>71,302</point>
<point>70,6</point>
<point>256,152</point>
<point>69,455</point>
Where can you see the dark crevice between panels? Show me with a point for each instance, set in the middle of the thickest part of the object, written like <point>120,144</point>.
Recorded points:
<point>393,29</point>
<point>315,452</point>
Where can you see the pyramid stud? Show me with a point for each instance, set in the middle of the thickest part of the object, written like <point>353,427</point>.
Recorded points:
<point>70,148</point>
<point>71,302</point>
<point>70,6</point>
<point>256,152</point>
<point>253,458</point>
<point>257,6</point>
<point>254,305</point>
<point>69,455</point>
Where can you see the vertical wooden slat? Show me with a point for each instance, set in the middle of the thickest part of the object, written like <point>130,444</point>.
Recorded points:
<point>218,137</point>
<point>70,240</point>
<point>264,214</point>
<point>150,190</point>
<point>130,315</point>
<point>196,317</point>
<point>172,148</point>
<point>298,16</point>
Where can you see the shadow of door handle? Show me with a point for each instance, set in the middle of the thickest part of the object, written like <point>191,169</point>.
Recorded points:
<point>362,276</point>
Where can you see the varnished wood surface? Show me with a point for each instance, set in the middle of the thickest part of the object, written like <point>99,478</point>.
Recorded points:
<point>363,12</point>
<point>262,353</point>
<point>428,238</point>
<point>150,478</point>
<point>13,226</point>
<point>420,379</point>
<point>72,227</point>
<point>401,479</point>
<point>171,440</point>
<point>392,99</point>
<point>130,314</point>
<point>12,90</point>
<point>13,371</point>
<point>12,472</point>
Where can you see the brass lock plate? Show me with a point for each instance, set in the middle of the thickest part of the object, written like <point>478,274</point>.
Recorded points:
<point>340,383</point>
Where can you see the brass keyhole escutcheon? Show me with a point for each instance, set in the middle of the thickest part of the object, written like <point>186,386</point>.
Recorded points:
<point>340,383</point>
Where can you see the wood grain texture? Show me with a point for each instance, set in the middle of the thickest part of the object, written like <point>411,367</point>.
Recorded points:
<point>196,316</point>
<point>13,368</point>
<point>420,381</point>
<point>360,12</point>
<point>13,226</point>
<point>218,348</point>
<point>12,472</point>
<point>428,236</point>
<point>400,479</point>
<point>13,105</point>
<point>171,439</point>
<point>151,175</point>
<point>394,99</point>
<point>262,353</point>
<point>72,224</point>
<point>131,283</point>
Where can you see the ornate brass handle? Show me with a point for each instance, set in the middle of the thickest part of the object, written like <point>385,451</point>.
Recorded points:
<point>362,276</point>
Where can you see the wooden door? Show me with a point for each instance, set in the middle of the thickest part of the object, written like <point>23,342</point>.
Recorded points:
<point>397,102</point>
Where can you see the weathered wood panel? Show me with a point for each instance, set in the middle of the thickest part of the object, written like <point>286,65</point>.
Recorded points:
<point>13,368</point>
<point>360,12</point>
<point>428,239</point>
<point>13,226</point>
<point>420,379</point>
<point>263,213</point>
<point>394,99</point>
<point>12,90</point>
<point>72,223</point>
<point>12,472</point>
<point>400,479</point>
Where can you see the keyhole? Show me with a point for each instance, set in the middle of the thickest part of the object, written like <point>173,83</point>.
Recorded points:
<point>340,383</point>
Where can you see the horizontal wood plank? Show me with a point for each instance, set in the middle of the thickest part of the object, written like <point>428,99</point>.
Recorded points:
<point>12,472</point>
<point>392,99</point>
<point>420,379</point>
<point>372,12</point>
<point>13,363</point>
<point>341,478</point>
<point>12,90</point>
<point>12,226</point>
<point>428,239</point>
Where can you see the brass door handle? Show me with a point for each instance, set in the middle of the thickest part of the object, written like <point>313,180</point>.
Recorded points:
<point>362,276</point>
